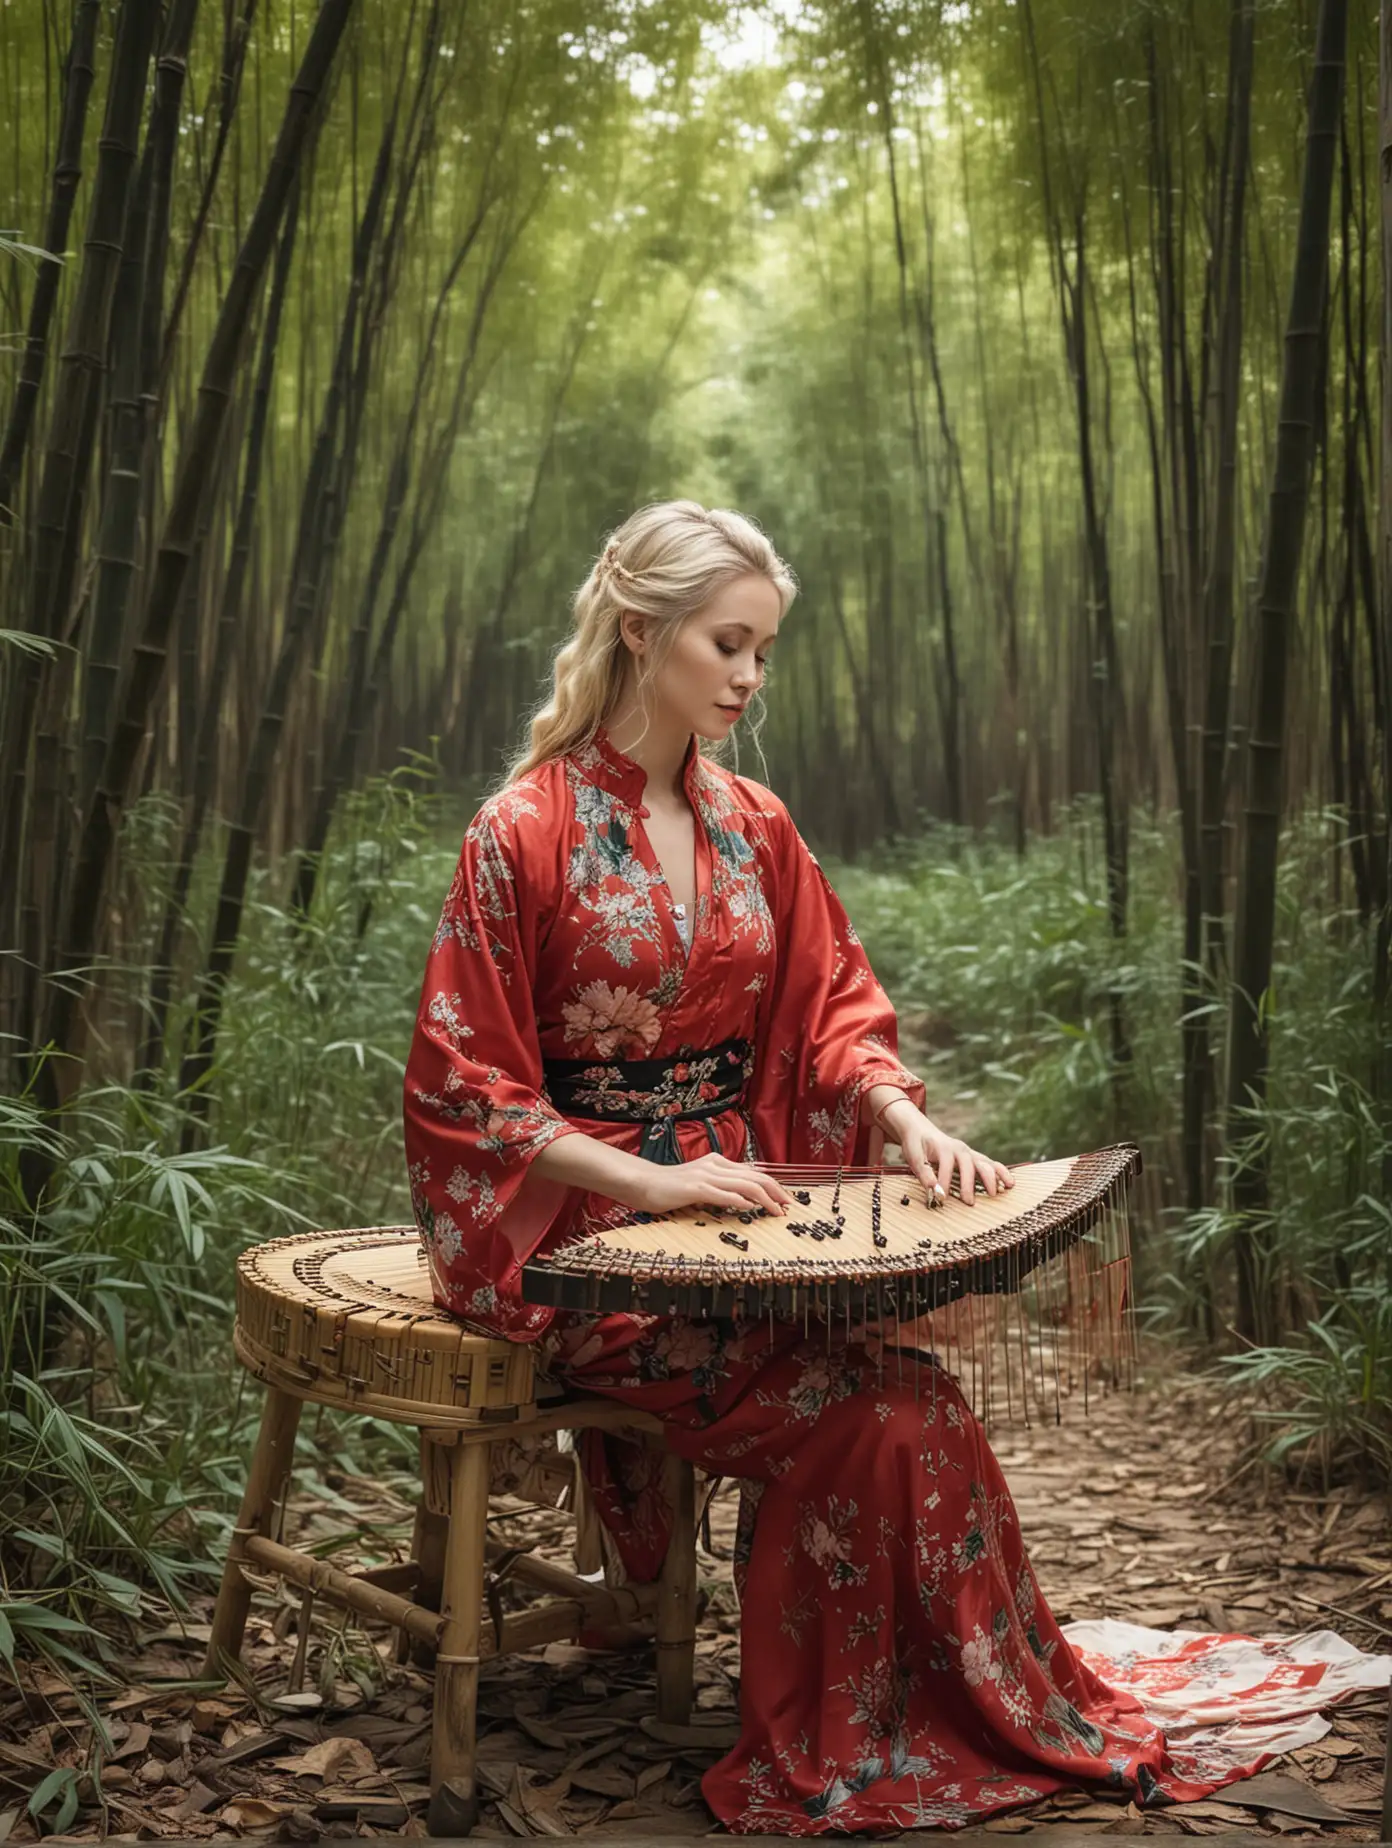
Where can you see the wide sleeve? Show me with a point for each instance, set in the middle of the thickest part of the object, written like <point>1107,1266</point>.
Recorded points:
<point>828,1030</point>
<point>475,1115</point>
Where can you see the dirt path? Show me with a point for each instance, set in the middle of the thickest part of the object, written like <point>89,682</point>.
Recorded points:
<point>1133,1513</point>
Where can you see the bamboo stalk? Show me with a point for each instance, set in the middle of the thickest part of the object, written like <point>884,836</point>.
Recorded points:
<point>340,1587</point>
<point>266,1479</point>
<point>676,1602</point>
<point>1306,338</point>
<point>456,1674</point>
<point>600,1603</point>
<point>78,77</point>
<point>149,662</point>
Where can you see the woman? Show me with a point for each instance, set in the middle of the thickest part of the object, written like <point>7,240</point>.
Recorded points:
<point>641,985</point>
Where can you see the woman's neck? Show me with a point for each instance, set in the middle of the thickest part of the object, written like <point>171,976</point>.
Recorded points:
<point>658,750</point>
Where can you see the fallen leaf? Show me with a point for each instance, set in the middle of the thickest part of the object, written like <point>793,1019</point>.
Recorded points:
<point>1213,1812</point>
<point>542,1733</point>
<point>196,1800</point>
<point>134,1743</point>
<point>336,1757</point>
<point>253,1813</point>
<point>200,1633</point>
<point>255,1744</point>
<point>721,1738</point>
<point>494,1775</point>
<point>534,1804</point>
<point>514,1821</point>
<point>1274,1790</point>
<point>602,1783</point>
<point>208,1715</point>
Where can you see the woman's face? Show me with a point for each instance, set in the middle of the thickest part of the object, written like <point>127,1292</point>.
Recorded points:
<point>716,663</point>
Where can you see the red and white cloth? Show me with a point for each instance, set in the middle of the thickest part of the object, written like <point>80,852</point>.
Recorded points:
<point>1232,1703</point>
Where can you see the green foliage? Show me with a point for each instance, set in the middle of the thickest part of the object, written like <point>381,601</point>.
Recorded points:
<point>126,1433</point>
<point>1015,958</point>
<point>1014,961</point>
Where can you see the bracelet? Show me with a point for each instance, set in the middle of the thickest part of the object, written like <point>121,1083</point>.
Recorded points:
<point>902,1098</point>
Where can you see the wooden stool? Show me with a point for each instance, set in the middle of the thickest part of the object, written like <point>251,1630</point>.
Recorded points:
<point>347,1319</point>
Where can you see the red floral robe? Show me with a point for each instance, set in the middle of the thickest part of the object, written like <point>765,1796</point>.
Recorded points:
<point>558,941</point>
<point>899,1666</point>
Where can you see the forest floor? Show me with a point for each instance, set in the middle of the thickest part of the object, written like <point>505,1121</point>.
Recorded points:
<point>1144,1511</point>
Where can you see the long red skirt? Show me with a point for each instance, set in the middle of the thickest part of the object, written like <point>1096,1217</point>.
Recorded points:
<point>899,1667</point>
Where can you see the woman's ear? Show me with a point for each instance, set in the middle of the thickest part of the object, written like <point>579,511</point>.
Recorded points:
<point>633,627</point>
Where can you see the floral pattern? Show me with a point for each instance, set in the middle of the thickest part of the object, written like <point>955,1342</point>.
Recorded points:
<point>613,1020</point>
<point>682,1085</point>
<point>900,1668</point>
<point>557,943</point>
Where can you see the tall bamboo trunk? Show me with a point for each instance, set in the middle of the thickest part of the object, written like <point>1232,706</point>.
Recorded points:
<point>163,334</point>
<point>117,540</point>
<point>1382,953</point>
<point>72,422</point>
<point>149,664</point>
<point>1107,698</point>
<point>1220,577</point>
<point>1250,1019</point>
<point>78,77</point>
<point>322,511</point>
<point>224,647</point>
<point>85,347</point>
<point>1104,695</point>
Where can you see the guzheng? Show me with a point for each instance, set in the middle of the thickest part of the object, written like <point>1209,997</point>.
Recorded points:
<point>858,1243</point>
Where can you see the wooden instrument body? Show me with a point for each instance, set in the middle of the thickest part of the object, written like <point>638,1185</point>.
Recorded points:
<point>868,1244</point>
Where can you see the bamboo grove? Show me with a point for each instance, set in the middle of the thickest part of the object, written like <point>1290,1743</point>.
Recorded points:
<point>1046,341</point>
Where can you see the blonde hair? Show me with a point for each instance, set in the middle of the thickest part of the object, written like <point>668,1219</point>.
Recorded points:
<point>667,561</point>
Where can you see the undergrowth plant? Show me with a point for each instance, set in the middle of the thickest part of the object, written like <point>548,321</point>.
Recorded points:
<point>126,1428</point>
<point>1013,960</point>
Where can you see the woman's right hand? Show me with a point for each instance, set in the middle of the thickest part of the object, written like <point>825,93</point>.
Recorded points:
<point>710,1180</point>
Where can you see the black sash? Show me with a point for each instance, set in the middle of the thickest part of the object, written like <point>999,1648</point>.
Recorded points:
<point>657,1092</point>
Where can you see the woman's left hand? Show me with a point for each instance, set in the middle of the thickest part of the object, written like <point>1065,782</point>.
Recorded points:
<point>933,1155</point>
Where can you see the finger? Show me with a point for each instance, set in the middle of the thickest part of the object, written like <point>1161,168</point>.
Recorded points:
<point>723,1196</point>
<point>928,1174</point>
<point>985,1173</point>
<point>921,1169</point>
<point>755,1191</point>
<point>739,1172</point>
<point>1007,1178</point>
<point>966,1168</point>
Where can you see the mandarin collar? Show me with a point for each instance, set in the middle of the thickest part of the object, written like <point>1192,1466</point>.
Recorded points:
<point>604,763</point>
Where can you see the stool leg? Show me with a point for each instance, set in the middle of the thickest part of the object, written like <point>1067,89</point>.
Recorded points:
<point>676,1603</point>
<point>266,1480</point>
<point>589,1550</point>
<point>453,1798</point>
<point>428,1545</point>
<point>428,1540</point>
